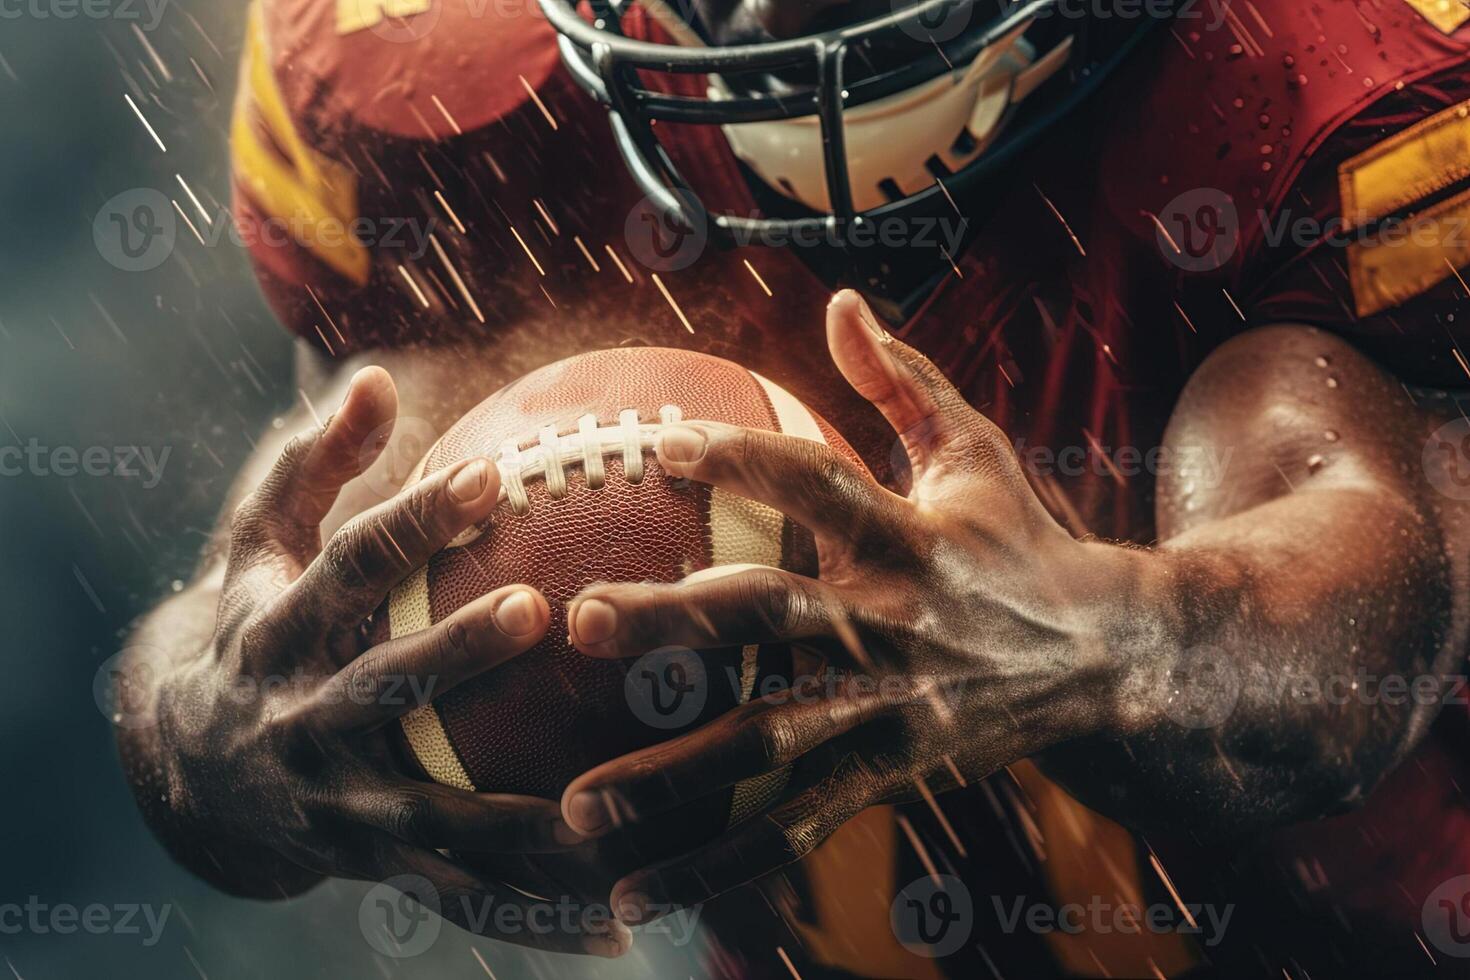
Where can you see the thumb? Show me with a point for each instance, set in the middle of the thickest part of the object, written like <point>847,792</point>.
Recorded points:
<point>915,397</point>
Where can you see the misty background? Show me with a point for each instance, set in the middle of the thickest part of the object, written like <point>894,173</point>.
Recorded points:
<point>184,362</point>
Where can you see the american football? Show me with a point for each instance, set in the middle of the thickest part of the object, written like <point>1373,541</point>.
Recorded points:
<point>584,501</point>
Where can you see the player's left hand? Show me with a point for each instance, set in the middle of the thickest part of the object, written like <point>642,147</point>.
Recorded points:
<point>968,627</point>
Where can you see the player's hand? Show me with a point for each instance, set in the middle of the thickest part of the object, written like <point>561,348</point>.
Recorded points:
<point>968,628</point>
<point>275,736</point>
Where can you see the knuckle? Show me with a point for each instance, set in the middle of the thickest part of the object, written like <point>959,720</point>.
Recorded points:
<point>421,511</point>
<point>777,738</point>
<point>408,815</point>
<point>773,599</point>
<point>802,826</point>
<point>294,453</point>
<point>257,635</point>
<point>350,552</point>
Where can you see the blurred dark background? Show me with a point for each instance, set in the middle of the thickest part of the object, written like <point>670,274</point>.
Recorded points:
<point>182,359</point>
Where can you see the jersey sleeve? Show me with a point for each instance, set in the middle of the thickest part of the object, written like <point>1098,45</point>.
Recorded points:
<point>407,171</point>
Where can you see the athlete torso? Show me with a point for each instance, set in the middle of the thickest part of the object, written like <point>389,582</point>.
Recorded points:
<point>1185,204</point>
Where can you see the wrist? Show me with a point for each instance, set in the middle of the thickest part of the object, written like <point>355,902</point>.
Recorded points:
<point>1140,630</point>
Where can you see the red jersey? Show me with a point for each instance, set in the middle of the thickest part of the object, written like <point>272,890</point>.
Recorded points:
<point>1231,175</point>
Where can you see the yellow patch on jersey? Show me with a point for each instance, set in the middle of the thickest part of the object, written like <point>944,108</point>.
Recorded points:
<point>1447,15</point>
<point>312,197</point>
<point>1087,859</point>
<point>1388,181</point>
<point>359,15</point>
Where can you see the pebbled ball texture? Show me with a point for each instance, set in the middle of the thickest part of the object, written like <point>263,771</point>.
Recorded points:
<point>535,723</point>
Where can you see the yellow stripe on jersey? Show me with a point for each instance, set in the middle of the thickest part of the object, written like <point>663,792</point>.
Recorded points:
<point>359,15</point>
<point>1389,181</point>
<point>1447,15</point>
<point>313,196</point>
<point>1407,167</point>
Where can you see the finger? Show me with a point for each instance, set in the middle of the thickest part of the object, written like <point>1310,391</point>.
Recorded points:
<point>404,673</point>
<point>489,908</point>
<point>303,488</point>
<point>928,413</point>
<point>744,604</point>
<point>764,844</point>
<point>378,549</point>
<point>283,513</point>
<point>760,737</point>
<point>446,817</point>
<point>809,481</point>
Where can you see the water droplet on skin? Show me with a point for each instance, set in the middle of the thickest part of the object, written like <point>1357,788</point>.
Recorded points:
<point>1332,382</point>
<point>1315,463</point>
<point>1188,489</point>
<point>1331,435</point>
<point>1322,361</point>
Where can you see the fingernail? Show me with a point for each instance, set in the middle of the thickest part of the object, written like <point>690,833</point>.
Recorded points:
<point>595,621</point>
<point>865,313</point>
<point>586,808</point>
<point>682,444</point>
<point>469,482</point>
<point>517,614</point>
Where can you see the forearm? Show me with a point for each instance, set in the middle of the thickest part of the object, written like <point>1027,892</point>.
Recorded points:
<point>1277,668</point>
<point>166,645</point>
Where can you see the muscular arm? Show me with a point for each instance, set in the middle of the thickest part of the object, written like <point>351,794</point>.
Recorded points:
<point>1305,558</point>
<point>174,637</point>
<point>972,630</point>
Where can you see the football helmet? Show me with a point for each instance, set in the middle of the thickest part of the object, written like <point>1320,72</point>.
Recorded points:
<point>901,115</point>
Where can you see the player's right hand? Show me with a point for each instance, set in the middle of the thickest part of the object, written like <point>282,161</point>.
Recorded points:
<point>275,736</point>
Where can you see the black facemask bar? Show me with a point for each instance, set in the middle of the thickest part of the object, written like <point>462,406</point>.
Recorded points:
<point>605,63</point>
